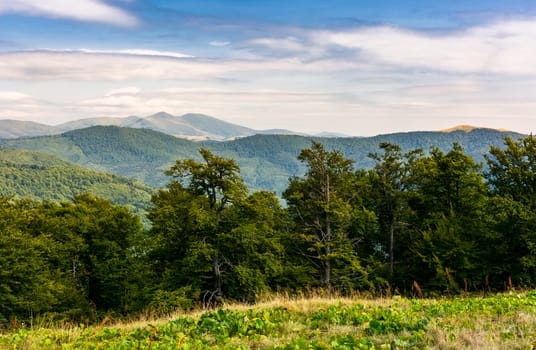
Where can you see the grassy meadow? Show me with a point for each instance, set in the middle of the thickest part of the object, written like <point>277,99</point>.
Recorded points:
<point>503,321</point>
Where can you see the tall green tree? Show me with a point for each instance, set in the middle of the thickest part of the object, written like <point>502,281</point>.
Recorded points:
<point>102,262</point>
<point>26,280</point>
<point>254,246</point>
<point>211,235</point>
<point>389,183</point>
<point>512,170</point>
<point>512,179</point>
<point>68,260</point>
<point>320,204</point>
<point>448,201</point>
<point>214,185</point>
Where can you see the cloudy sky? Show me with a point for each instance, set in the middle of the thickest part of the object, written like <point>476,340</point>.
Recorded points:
<point>351,66</point>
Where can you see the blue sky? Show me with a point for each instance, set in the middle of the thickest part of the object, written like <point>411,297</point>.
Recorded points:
<point>355,67</point>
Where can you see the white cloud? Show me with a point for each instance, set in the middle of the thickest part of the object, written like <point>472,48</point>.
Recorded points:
<point>13,96</point>
<point>81,10</point>
<point>135,52</point>
<point>19,105</point>
<point>124,52</point>
<point>501,48</point>
<point>505,47</point>
<point>290,46</point>
<point>135,103</point>
<point>219,43</point>
<point>124,91</point>
<point>362,81</point>
<point>117,66</point>
<point>76,65</point>
<point>286,44</point>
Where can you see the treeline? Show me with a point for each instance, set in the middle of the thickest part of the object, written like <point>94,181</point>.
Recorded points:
<point>414,223</point>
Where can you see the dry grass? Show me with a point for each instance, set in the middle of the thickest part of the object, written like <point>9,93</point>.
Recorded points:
<point>499,322</point>
<point>465,331</point>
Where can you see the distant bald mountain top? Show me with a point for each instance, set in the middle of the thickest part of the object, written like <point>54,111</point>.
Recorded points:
<point>196,127</point>
<point>10,129</point>
<point>468,128</point>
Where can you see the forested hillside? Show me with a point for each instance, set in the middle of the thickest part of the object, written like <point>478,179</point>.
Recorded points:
<point>140,154</point>
<point>414,223</point>
<point>266,161</point>
<point>39,176</point>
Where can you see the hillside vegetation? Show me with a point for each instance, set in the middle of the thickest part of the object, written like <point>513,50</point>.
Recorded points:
<point>498,322</point>
<point>39,176</point>
<point>415,223</point>
<point>266,161</point>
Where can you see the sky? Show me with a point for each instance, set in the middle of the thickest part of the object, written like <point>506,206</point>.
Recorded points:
<point>349,66</point>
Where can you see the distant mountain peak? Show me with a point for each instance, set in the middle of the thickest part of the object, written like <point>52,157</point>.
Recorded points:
<point>191,126</point>
<point>161,114</point>
<point>468,128</point>
<point>331,134</point>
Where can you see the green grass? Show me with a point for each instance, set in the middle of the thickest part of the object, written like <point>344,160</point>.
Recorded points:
<point>506,321</point>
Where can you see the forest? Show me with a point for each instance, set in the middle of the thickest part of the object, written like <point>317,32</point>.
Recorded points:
<point>40,176</point>
<point>417,223</point>
<point>266,161</point>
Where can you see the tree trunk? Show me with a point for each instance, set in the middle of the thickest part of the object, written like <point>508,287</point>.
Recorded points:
<point>327,271</point>
<point>217,280</point>
<point>391,246</point>
<point>327,242</point>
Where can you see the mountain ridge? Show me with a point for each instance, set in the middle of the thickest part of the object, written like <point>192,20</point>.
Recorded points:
<point>467,128</point>
<point>191,126</point>
<point>266,161</point>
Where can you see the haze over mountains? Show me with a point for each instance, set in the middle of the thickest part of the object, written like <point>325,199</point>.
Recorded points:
<point>191,126</point>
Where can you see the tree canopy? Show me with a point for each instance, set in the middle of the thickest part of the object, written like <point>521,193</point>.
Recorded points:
<point>417,221</point>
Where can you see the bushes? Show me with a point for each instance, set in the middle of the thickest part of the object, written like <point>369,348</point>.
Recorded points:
<point>165,302</point>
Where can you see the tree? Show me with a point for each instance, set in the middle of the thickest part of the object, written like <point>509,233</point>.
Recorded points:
<point>321,206</point>
<point>254,246</point>
<point>102,264</point>
<point>511,176</point>
<point>211,235</point>
<point>213,186</point>
<point>70,260</point>
<point>26,279</point>
<point>449,197</point>
<point>512,171</point>
<point>389,184</point>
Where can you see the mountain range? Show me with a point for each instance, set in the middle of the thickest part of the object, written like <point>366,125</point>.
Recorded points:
<point>191,126</point>
<point>266,161</point>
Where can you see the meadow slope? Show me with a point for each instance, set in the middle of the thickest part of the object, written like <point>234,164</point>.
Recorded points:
<point>504,321</point>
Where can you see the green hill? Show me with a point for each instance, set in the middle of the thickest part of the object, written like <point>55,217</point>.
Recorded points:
<point>267,161</point>
<point>141,154</point>
<point>39,176</point>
